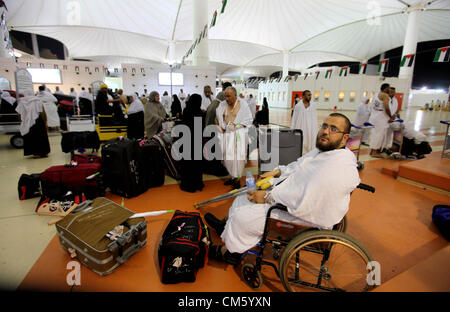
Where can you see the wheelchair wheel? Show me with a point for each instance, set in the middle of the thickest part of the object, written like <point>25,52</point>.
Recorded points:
<point>252,277</point>
<point>325,260</point>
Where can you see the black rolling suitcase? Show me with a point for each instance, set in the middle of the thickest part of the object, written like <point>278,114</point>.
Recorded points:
<point>150,156</point>
<point>273,153</point>
<point>122,169</point>
<point>173,167</point>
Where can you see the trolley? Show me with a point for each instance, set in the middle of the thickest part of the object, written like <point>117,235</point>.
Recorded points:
<point>10,120</point>
<point>355,140</point>
<point>397,140</point>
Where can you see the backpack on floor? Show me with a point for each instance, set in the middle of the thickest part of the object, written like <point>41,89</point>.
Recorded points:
<point>441,217</point>
<point>183,248</point>
<point>29,186</point>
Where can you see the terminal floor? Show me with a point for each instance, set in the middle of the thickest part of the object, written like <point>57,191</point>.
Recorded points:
<point>394,224</point>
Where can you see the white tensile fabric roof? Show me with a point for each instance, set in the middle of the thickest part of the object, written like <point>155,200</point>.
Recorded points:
<point>251,33</point>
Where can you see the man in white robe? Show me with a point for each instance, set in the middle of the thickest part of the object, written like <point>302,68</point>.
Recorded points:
<point>165,101</point>
<point>393,107</point>
<point>207,98</point>
<point>252,105</point>
<point>57,91</point>
<point>233,118</point>
<point>305,118</point>
<point>49,102</point>
<point>182,98</point>
<point>380,117</point>
<point>315,189</point>
<point>362,116</point>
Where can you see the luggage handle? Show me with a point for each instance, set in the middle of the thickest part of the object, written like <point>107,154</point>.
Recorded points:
<point>117,245</point>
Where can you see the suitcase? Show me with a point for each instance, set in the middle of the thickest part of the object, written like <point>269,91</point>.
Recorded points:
<point>29,186</point>
<point>152,163</point>
<point>121,167</point>
<point>288,148</point>
<point>173,167</point>
<point>56,181</point>
<point>86,159</point>
<point>183,249</point>
<point>71,141</point>
<point>84,235</point>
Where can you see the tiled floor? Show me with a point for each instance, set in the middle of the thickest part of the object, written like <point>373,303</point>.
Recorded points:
<point>24,236</point>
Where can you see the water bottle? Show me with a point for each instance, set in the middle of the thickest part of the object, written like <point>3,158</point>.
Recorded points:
<point>250,181</point>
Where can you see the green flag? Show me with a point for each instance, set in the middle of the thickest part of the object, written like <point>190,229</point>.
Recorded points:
<point>224,4</point>
<point>213,22</point>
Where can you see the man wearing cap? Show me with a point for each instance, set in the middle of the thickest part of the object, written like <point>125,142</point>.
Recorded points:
<point>103,105</point>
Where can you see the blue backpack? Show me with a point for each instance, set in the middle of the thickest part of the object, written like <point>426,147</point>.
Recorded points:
<point>441,217</point>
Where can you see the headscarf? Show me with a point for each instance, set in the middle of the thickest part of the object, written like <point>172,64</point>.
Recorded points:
<point>29,108</point>
<point>193,107</point>
<point>153,113</point>
<point>152,96</point>
<point>136,106</point>
<point>176,106</point>
<point>210,118</point>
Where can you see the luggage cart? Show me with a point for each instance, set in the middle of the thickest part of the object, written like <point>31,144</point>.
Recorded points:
<point>10,121</point>
<point>77,123</point>
<point>397,141</point>
<point>446,148</point>
<point>355,140</point>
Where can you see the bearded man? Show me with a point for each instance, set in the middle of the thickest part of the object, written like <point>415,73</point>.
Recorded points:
<point>315,189</point>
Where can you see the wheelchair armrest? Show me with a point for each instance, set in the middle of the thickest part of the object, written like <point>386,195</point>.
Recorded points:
<point>366,187</point>
<point>277,206</point>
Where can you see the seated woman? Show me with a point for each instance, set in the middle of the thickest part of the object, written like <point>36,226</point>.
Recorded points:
<point>262,116</point>
<point>190,169</point>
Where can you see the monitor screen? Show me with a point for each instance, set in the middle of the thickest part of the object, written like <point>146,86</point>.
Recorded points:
<point>177,79</point>
<point>45,75</point>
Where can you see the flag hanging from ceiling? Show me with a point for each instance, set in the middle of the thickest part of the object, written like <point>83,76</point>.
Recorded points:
<point>317,74</point>
<point>306,76</point>
<point>343,71</point>
<point>224,4</point>
<point>96,69</point>
<point>328,74</point>
<point>442,55</point>
<point>55,66</point>
<point>86,68</point>
<point>124,70</point>
<point>383,66</point>
<point>214,19</point>
<point>205,31</point>
<point>296,76</point>
<point>142,70</point>
<point>362,68</point>
<point>407,60</point>
<point>77,68</point>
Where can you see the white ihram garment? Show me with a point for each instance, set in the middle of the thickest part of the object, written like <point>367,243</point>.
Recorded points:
<point>50,108</point>
<point>362,116</point>
<point>306,120</point>
<point>29,108</point>
<point>379,119</point>
<point>316,191</point>
<point>234,142</point>
<point>393,106</point>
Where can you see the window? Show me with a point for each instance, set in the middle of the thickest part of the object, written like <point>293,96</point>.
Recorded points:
<point>316,95</point>
<point>279,96</point>
<point>352,96</point>
<point>371,96</point>
<point>364,93</point>
<point>284,96</point>
<point>164,79</point>
<point>43,75</point>
<point>327,96</point>
<point>341,96</point>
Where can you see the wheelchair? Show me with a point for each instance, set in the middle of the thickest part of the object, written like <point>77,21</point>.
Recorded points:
<point>327,260</point>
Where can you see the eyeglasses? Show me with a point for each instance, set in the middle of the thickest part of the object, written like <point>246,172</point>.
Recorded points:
<point>333,129</point>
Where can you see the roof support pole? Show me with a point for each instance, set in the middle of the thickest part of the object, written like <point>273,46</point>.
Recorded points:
<point>285,64</point>
<point>200,56</point>
<point>410,43</point>
<point>3,34</point>
<point>35,45</point>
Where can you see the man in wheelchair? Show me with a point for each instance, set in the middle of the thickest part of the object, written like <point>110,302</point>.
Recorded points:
<point>315,189</point>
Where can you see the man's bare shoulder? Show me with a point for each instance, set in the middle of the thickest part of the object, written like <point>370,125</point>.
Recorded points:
<point>383,96</point>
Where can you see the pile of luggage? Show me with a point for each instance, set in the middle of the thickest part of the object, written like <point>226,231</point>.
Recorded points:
<point>101,233</point>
